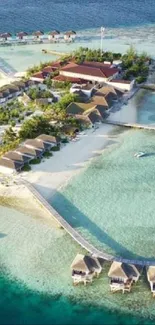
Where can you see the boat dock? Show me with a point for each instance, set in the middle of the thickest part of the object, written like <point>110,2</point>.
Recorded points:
<point>78,237</point>
<point>131,125</point>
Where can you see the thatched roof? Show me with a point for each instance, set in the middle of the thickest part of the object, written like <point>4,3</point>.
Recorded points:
<point>151,273</point>
<point>11,164</point>
<point>71,32</point>
<point>35,144</point>
<point>16,157</point>
<point>85,263</point>
<point>74,108</point>
<point>5,35</point>
<point>54,32</point>
<point>32,152</point>
<point>47,138</point>
<point>38,33</point>
<point>122,270</point>
<point>22,34</point>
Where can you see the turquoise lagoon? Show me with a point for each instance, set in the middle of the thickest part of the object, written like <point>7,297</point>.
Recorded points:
<point>112,202</point>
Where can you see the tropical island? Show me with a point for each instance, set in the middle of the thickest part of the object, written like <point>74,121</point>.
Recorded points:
<point>45,117</point>
<point>72,93</point>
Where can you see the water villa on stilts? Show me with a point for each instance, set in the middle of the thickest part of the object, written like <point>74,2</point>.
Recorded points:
<point>85,268</point>
<point>122,276</point>
<point>151,278</point>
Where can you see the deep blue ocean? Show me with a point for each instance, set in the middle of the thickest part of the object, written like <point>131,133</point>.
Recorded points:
<point>32,15</point>
<point>19,305</point>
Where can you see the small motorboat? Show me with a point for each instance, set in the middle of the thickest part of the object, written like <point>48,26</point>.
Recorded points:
<point>139,154</point>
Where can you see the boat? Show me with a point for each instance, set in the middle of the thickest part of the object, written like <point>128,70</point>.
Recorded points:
<point>139,154</point>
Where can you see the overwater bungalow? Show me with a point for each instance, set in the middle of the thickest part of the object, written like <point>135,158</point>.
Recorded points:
<point>70,36</point>
<point>54,35</point>
<point>122,276</point>
<point>38,35</point>
<point>22,36</point>
<point>5,37</point>
<point>85,268</point>
<point>151,278</point>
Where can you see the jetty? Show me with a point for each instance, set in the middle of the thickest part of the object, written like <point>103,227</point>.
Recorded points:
<point>54,52</point>
<point>75,234</point>
<point>6,69</point>
<point>148,86</point>
<point>130,125</point>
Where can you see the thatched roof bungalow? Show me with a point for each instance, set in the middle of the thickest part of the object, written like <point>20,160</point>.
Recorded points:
<point>123,275</point>
<point>84,268</point>
<point>151,278</point>
<point>22,35</point>
<point>8,166</point>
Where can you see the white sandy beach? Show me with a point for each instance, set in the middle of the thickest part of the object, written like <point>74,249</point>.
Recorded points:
<point>55,172</point>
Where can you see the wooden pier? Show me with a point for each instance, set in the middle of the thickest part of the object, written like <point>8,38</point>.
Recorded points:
<point>78,237</point>
<point>53,52</point>
<point>131,125</point>
<point>148,86</point>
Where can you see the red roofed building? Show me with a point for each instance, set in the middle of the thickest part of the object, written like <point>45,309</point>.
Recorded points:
<point>39,76</point>
<point>91,71</point>
<point>122,84</point>
<point>48,70</point>
<point>62,78</point>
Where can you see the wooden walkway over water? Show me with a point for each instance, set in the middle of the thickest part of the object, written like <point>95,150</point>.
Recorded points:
<point>78,237</point>
<point>131,125</point>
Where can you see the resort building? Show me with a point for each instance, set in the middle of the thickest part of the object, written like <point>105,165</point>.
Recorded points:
<point>39,145</point>
<point>5,37</point>
<point>92,72</point>
<point>85,268</point>
<point>54,36</point>
<point>61,78</point>
<point>22,36</point>
<point>38,35</point>
<point>17,157</point>
<point>49,139</point>
<point>86,88</point>
<point>8,166</point>
<point>122,276</point>
<point>29,152</point>
<point>125,85</point>
<point>151,278</point>
<point>70,36</point>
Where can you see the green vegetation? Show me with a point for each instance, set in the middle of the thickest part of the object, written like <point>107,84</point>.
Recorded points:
<point>61,85</point>
<point>37,68</point>
<point>133,65</point>
<point>26,168</point>
<point>35,93</point>
<point>34,127</point>
<point>13,112</point>
<point>35,161</point>
<point>56,148</point>
<point>47,154</point>
<point>86,54</point>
